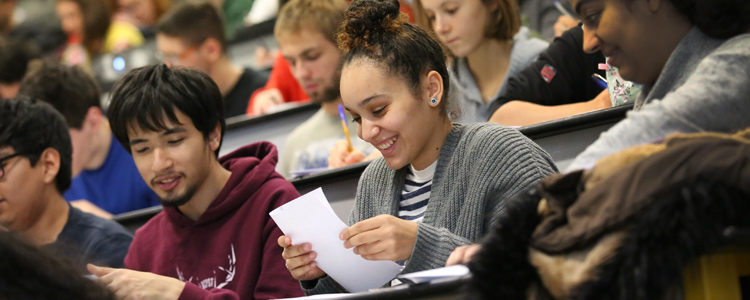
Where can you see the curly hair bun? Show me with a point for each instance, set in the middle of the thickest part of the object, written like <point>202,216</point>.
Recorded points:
<point>369,23</point>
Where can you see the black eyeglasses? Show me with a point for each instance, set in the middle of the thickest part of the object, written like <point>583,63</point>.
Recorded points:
<point>2,164</point>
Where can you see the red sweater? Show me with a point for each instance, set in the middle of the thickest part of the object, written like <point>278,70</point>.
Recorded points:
<point>281,78</point>
<point>231,251</point>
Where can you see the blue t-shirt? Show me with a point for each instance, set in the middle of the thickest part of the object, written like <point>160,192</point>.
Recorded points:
<point>90,239</point>
<point>116,186</point>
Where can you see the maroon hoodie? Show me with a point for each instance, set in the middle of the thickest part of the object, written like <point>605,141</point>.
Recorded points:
<point>231,251</point>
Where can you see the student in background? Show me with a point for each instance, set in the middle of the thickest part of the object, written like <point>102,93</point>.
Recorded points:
<point>35,168</point>
<point>191,34</point>
<point>692,59</point>
<point>305,31</point>
<point>557,85</point>
<point>542,16</point>
<point>91,31</point>
<point>142,13</point>
<point>280,88</point>
<point>214,238</point>
<point>439,185</point>
<point>105,180</point>
<point>7,8</point>
<point>489,46</point>
<point>15,56</point>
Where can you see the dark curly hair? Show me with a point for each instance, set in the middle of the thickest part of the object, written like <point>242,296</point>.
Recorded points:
<point>378,31</point>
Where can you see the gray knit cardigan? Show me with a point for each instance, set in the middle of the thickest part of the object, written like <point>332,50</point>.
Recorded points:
<point>480,166</point>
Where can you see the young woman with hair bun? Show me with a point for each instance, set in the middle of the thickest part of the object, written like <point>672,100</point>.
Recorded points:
<point>439,185</point>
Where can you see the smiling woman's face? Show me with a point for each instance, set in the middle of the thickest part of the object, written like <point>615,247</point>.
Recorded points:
<point>629,33</point>
<point>388,114</point>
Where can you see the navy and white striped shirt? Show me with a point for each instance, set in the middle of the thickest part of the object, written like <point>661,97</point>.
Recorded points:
<point>416,193</point>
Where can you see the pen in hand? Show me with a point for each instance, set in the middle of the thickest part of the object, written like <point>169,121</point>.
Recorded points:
<point>346,129</point>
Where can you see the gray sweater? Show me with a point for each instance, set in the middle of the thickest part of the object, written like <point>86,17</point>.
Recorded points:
<point>480,166</point>
<point>704,86</point>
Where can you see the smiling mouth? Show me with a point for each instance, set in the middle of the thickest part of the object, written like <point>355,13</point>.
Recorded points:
<point>167,183</point>
<point>387,144</point>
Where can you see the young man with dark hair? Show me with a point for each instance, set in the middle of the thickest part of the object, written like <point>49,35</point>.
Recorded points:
<point>214,238</point>
<point>35,164</point>
<point>105,178</point>
<point>191,34</point>
<point>15,56</point>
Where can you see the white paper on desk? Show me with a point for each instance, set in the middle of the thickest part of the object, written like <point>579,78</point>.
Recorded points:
<point>439,273</point>
<point>310,219</point>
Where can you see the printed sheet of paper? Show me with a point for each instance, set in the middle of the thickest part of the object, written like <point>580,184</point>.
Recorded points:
<point>310,219</point>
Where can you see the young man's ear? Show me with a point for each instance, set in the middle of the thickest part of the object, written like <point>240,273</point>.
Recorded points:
<point>214,138</point>
<point>211,49</point>
<point>94,118</point>
<point>49,161</point>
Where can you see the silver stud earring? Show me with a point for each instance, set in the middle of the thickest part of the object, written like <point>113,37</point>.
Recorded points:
<point>433,101</point>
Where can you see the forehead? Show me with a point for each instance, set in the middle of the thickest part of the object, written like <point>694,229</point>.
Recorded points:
<point>432,4</point>
<point>136,129</point>
<point>129,2</point>
<point>362,78</point>
<point>294,43</point>
<point>169,43</point>
<point>67,6</point>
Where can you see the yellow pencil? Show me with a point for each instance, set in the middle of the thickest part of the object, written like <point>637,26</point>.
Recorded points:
<point>346,129</point>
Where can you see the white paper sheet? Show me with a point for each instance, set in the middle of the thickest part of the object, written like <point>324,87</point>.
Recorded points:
<point>433,274</point>
<point>310,219</point>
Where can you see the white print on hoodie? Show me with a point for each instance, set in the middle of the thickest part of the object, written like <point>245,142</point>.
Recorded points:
<point>211,282</point>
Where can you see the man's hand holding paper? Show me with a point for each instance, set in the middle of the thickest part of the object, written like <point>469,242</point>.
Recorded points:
<point>300,259</point>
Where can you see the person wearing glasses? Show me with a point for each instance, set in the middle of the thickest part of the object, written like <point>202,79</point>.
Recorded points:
<point>35,168</point>
<point>191,35</point>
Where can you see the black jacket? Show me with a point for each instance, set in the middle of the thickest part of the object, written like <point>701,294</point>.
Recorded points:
<point>561,74</point>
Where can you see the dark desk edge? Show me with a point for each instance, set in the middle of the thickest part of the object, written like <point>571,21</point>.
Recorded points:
<point>451,286</point>
<point>576,122</point>
<point>254,31</point>
<point>337,173</point>
<point>147,212</point>
<point>244,120</point>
